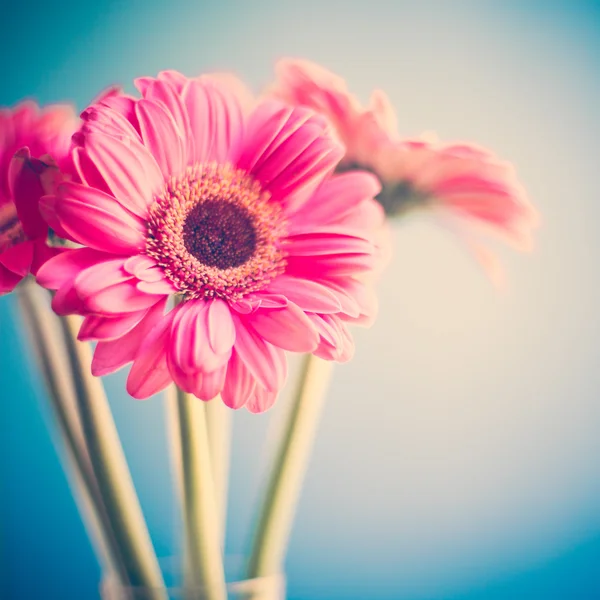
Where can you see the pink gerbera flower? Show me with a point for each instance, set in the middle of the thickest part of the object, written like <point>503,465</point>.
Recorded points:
<point>469,189</point>
<point>235,213</point>
<point>33,145</point>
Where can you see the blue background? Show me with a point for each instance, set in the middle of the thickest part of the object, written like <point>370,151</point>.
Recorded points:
<point>458,453</point>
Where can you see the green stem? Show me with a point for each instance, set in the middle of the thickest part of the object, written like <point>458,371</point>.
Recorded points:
<point>204,573</point>
<point>111,470</point>
<point>285,483</point>
<point>218,425</point>
<point>44,332</point>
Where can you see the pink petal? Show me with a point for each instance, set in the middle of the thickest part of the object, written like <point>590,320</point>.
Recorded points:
<point>261,400</point>
<point>266,125</point>
<point>306,83</point>
<point>115,116</point>
<point>336,342</point>
<point>186,382</point>
<point>149,373</point>
<point>239,383</point>
<point>26,189</point>
<point>47,210</point>
<point>87,171</point>
<point>190,347</point>
<point>162,137</point>
<point>288,328</point>
<point>313,267</point>
<point>66,266</point>
<point>43,253</point>
<point>8,280</point>
<point>327,243</point>
<point>337,197</point>
<point>271,300</point>
<point>168,94</point>
<point>173,78</point>
<point>299,178</point>
<point>96,219</point>
<point>211,384</point>
<point>367,216</point>
<point>310,296</point>
<point>18,258</point>
<point>129,170</point>
<point>384,112</point>
<point>66,301</point>
<point>354,296</point>
<point>216,121</point>
<point>106,288</point>
<point>112,355</point>
<point>287,151</point>
<point>123,297</point>
<point>161,287</point>
<point>141,265</point>
<point>246,305</point>
<point>122,104</point>
<point>96,327</point>
<point>265,362</point>
<point>221,330</point>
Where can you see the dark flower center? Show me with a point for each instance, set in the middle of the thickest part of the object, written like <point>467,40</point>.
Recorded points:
<point>220,234</point>
<point>11,230</point>
<point>397,198</point>
<point>216,233</point>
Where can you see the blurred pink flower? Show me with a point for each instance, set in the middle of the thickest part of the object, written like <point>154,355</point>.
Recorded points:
<point>32,144</point>
<point>187,193</point>
<point>468,188</point>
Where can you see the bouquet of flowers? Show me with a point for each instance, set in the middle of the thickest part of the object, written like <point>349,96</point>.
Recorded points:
<point>198,233</point>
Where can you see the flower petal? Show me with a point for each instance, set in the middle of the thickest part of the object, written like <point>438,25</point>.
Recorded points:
<point>8,280</point>
<point>327,243</point>
<point>267,363</point>
<point>288,328</point>
<point>216,120</point>
<point>288,151</point>
<point>128,169</point>
<point>66,266</point>
<point>239,383</point>
<point>149,373</point>
<point>96,327</point>
<point>261,400</point>
<point>211,384</point>
<point>167,93</point>
<point>312,267</point>
<point>337,197</point>
<point>162,137</point>
<point>191,350</point>
<point>18,258</point>
<point>96,219</point>
<point>309,295</point>
<point>221,330</point>
<point>24,180</point>
<point>106,288</point>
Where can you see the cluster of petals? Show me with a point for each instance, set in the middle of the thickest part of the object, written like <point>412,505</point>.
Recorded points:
<point>470,190</point>
<point>169,277</point>
<point>34,145</point>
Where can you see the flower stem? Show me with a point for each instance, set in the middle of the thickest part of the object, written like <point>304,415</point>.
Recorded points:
<point>111,470</point>
<point>44,332</point>
<point>279,505</point>
<point>204,573</point>
<point>218,425</point>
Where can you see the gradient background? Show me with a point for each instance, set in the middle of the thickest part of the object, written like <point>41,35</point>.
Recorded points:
<point>459,452</point>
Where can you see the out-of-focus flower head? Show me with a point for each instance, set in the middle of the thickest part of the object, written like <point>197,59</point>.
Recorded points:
<point>197,193</point>
<point>467,188</point>
<point>34,147</point>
